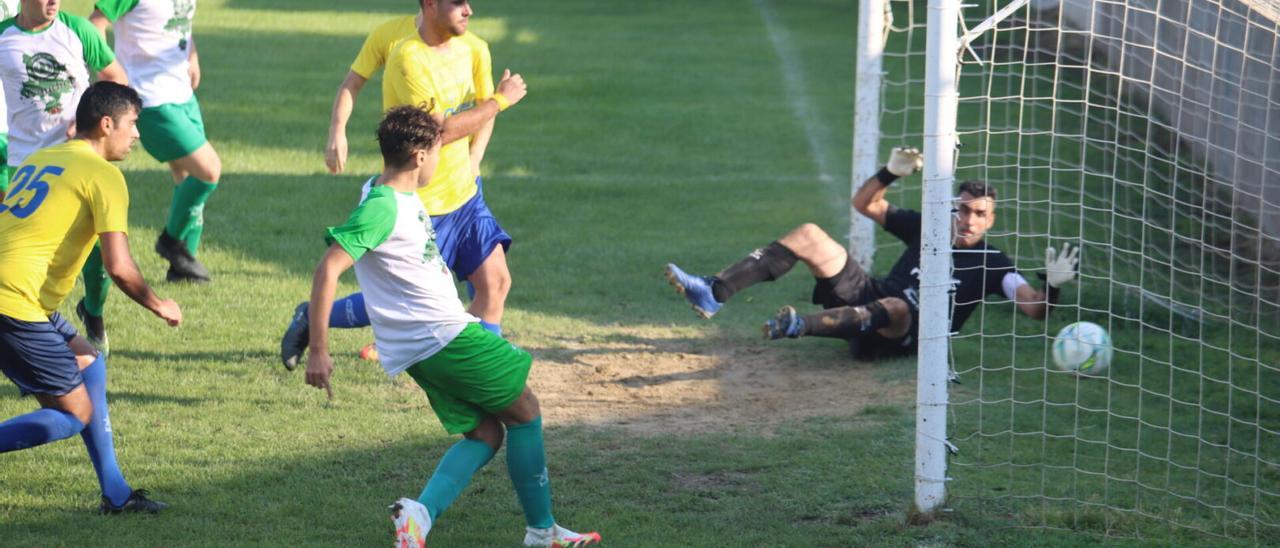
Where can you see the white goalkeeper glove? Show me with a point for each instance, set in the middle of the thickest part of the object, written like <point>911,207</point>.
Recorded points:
<point>1060,268</point>
<point>905,161</point>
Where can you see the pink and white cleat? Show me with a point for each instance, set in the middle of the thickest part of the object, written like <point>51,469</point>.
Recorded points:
<point>558,537</point>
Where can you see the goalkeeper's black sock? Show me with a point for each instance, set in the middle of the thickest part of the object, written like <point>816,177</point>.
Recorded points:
<point>762,265</point>
<point>847,321</point>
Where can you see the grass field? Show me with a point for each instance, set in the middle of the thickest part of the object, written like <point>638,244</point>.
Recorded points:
<point>653,132</point>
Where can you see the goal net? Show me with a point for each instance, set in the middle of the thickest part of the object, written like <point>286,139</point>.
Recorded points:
<point>1148,133</point>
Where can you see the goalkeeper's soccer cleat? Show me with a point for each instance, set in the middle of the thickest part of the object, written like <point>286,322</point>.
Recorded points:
<point>183,266</point>
<point>136,503</point>
<point>296,336</point>
<point>413,522</point>
<point>696,290</point>
<point>95,329</point>
<point>558,537</point>
<point>785,324</point>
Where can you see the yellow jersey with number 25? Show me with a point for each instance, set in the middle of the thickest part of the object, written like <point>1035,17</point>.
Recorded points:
<point>58,202</point>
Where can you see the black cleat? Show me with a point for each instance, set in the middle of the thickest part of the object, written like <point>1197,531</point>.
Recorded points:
<point>95,329</point>
<point>296,336</point>
<point>183,266</point>
<point>136,503</point>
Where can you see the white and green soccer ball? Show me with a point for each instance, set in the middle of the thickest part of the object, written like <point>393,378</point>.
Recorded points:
<point>1084,347</point>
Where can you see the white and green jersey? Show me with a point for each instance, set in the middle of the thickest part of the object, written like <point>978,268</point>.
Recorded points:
<point>153,42</point>
<point>8,8</point>
<point>44,73</point>
<point>408,291</point>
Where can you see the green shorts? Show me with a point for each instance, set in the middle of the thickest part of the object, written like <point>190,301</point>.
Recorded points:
<point>173,130</point>
<point>476,375</point>
<point>4,162</point>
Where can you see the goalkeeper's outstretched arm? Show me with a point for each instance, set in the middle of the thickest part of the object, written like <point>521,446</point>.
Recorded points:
<point>1060,269</point>
<point>869,199</point>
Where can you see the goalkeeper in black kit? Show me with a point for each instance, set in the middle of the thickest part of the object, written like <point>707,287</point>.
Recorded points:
<point>880,316</point>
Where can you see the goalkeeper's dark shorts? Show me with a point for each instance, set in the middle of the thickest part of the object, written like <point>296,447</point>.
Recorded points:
<point>854,287</point>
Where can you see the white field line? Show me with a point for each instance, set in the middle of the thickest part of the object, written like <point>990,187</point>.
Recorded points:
<point>794,86</point>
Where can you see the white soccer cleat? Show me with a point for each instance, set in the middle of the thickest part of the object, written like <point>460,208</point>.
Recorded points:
<point>413,522</point>
<point>558,537</point>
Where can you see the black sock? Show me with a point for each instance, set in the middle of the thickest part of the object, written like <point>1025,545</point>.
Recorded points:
<point>762,265</point>
<point>847,321</point>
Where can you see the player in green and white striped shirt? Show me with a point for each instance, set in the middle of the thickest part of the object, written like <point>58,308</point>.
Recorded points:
<point>475,380</point>
<point>153,40</point>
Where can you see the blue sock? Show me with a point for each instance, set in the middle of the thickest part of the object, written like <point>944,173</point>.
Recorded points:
<point>37,428</point>
<point>97,436</point>
<point>527,465</point>
<point>349,312</point>
<point>453,474</point>
<point>494,328</point>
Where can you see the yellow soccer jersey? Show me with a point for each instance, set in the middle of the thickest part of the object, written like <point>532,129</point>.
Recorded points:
<point>377,46</point>
<point>452,79</point>
<point>60,199</point>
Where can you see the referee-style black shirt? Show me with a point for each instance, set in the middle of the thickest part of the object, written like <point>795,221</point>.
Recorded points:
<point>977,272</point>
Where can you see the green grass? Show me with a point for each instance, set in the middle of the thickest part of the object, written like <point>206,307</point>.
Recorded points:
<point>653,132</point>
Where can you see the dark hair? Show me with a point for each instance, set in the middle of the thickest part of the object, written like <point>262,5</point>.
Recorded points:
<point>405,130</point>
<point>977,189</point>
<point>105,98</point>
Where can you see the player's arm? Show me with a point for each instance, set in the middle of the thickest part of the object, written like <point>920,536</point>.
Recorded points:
<point>124,272</point>
<point>193,63</point>
<point>511,89</point>
<point>324,284</point>
<point>479,143</point>
<point>869,199</point>
<point>115,73</point>
<point>100,21</point>
<point>1060,269</point>
<point>482,79</point>
<point>1032,302</point>
<point>335,152</point>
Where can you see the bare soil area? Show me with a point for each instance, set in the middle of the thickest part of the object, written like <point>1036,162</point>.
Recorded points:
<point>654,385</point>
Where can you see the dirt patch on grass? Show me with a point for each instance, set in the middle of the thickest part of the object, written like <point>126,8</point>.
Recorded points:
<point>654,385</point>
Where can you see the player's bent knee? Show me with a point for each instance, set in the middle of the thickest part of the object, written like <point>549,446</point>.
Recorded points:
<point>203,164</point>
<point>896,307</point>
<point>490,432</point>
<point>899,317</point>
<point>523,410</point>
<point>76,402</point>
<point>494,285</point>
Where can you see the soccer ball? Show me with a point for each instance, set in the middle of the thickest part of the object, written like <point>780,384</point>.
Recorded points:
<point>1084,347</point>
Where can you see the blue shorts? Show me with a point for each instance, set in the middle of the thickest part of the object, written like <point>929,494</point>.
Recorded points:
<point>467,235</point>
<point>36,356</point>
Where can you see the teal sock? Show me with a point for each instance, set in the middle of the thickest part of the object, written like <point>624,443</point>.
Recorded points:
<point>527,465</point>
<point>453,474</point>
<point>186,212</point>
<point>96,282</point>
<point>192,238</point>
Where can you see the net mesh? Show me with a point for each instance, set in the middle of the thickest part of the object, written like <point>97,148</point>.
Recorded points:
<point>1148,133</point>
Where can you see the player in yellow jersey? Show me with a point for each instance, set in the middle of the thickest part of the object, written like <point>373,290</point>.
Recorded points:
<point>63,199</point>
<point>431,59</point>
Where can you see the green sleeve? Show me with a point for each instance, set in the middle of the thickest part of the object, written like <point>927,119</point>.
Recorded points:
<point>113,9</point>
<point>367,227</point>
<point>97,54</point>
